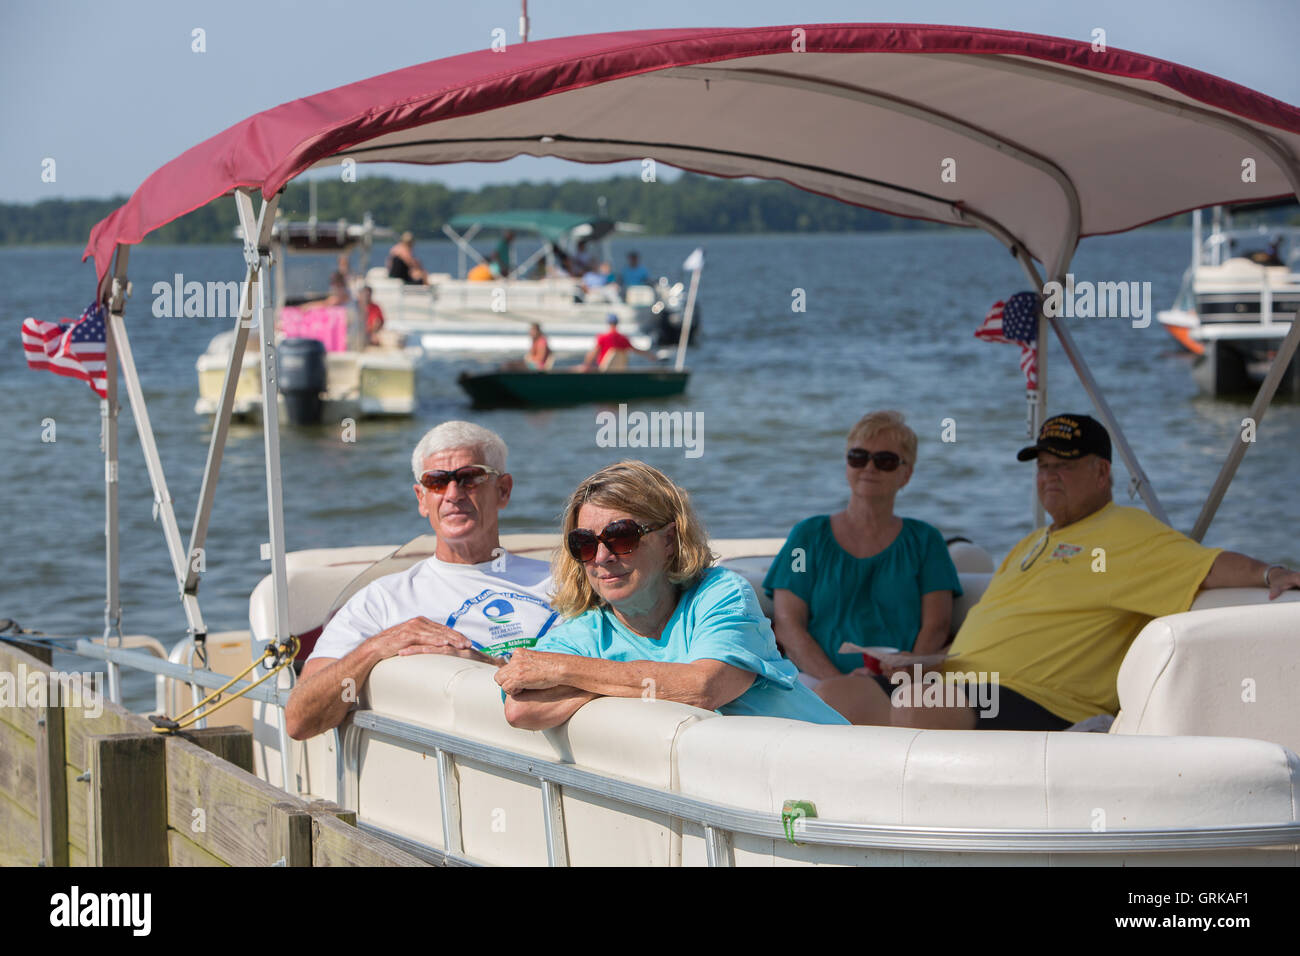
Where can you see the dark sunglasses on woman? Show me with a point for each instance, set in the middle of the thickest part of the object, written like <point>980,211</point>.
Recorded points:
<point>467,476</point>
<point>620,537</point>
<point>883,460</point>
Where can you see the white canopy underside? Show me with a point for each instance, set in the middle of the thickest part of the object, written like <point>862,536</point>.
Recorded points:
<point>880,129</point>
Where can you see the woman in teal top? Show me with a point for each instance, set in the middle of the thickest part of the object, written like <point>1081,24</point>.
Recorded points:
<point>647,616</point>
<point>863,575</point>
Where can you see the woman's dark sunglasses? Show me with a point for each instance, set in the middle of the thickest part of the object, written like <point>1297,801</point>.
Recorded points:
<point>883,460</point>
<point>620,537</point>
<point>467,476</point>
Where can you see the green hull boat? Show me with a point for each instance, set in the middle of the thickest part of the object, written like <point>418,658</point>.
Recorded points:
<point>534,388</point>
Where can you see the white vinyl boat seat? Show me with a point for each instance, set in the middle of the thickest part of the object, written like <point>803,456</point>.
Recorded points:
<point>880,775</point>
<point>1231,666</point>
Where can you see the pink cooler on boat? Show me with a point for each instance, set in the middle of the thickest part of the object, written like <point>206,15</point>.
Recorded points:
<point>327,324</point>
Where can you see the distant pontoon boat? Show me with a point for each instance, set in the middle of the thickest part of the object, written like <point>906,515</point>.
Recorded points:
<point>345,375</point>
<point>462,315</point>
<point>1237,302</point>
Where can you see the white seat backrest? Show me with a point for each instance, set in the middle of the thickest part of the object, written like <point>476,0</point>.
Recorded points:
<point>1230,670</point>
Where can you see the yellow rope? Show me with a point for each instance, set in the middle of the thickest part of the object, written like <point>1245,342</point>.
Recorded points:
<point>286,652</point>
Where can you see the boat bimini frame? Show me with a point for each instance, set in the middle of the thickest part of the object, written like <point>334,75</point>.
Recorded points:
<point>1018,58</point>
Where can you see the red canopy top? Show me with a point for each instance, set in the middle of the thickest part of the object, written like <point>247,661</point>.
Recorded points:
<point>952,124</point>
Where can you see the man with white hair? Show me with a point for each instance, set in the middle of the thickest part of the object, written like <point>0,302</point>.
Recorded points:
<point>470,599</point>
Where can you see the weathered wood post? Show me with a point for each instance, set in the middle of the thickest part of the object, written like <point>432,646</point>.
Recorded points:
<point>128,801</point>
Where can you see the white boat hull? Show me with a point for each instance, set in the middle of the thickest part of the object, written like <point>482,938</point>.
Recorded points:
<point>1174,766</point>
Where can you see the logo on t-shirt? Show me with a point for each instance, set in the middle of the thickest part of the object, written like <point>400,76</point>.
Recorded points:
<point>502,620</point>
<point>499,611</point>
<point>1063,552</point>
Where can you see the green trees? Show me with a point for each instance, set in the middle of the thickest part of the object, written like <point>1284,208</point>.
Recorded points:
<point>689,204</point>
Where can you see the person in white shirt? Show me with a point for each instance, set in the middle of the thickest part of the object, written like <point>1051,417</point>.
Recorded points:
<point>471,599</point>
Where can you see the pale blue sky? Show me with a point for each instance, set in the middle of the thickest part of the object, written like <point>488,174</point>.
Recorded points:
<point>112,90</point>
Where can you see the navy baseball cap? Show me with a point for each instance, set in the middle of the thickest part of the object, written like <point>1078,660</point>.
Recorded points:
<point>1069,436</point>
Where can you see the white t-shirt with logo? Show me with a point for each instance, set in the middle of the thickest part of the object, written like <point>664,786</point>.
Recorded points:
<point>498,609</point>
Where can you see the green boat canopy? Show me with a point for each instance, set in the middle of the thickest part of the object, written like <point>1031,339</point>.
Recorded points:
<point>550,224</point>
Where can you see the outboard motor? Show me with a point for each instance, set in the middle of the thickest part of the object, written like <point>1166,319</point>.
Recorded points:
<point>302,379</point>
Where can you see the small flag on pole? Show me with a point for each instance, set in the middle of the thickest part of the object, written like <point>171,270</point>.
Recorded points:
<point>74,349</point>
<point>694,262</point>
<point>1016,322</point>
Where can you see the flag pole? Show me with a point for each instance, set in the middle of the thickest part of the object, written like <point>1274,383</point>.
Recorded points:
<point>108,410</point>
<point>685,336</point>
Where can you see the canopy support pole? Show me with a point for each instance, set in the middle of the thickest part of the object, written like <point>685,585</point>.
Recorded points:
<point>462,243</point>
<point>108,410</point>
<point>162,497</point>
<point>1237,451</point>
<point>221,425</point>
<point>523,267</point>
<point>257,258</point>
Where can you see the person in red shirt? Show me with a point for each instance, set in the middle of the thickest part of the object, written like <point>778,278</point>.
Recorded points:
<point>613,339</point>
<point>373,314</point>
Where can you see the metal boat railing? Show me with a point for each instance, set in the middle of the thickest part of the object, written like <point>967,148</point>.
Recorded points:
<point>719,822</point>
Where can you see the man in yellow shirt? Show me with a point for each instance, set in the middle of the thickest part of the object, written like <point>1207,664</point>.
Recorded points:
<point>1042,648</point>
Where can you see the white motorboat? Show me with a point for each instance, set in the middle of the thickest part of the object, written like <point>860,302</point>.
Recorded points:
<point>463,314</point>
<point>1055,141</point>
<point>1236,303</point>
<point>346,376</point>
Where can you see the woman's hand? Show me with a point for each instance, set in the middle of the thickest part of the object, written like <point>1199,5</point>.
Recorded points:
<point>891,663</point>
<point>529,670</point>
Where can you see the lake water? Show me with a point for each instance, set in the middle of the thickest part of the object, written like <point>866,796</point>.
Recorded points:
<point>888,324</point>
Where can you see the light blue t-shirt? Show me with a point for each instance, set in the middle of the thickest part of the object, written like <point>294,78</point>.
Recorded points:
<point>634,275</point>
<point>717,619</point>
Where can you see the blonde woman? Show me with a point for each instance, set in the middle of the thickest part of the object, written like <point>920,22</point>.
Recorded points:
<point>863,575</point>
<point>647,614</point>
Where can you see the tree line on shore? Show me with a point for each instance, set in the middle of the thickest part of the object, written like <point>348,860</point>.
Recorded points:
<point>688,205</point>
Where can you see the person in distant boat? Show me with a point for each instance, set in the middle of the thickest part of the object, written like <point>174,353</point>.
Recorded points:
<point>607,341</point>
<point>505,251</point>
<point>863,575</point>
<point>482,272</point>
<point>599,282</point>
<point>648,616</point>
<point>372,314</point>
<point>633,273</point>
<point>402,263</point>
<point>1060,613</point>
<point>469,599</point>
<point>579,264</point>
<point>539,353</point>
<point>338,295</point>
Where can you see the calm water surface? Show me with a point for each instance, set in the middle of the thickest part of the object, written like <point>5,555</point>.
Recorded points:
<point>889,323</point>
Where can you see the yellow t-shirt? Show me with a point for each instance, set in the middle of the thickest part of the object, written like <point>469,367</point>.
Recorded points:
<point>1055,626</point>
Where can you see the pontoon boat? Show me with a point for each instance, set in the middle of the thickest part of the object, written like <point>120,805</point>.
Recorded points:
<point>1052,141</point>
<point>463,315</point>
<point>343,377</point>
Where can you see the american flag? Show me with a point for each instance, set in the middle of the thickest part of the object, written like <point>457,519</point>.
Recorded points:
<point>75,350</point>
<point>1016,322</point>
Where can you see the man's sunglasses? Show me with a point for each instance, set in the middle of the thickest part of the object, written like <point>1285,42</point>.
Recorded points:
<point>620,537</point>
<point>467,476</point>
<point>883,460</point>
